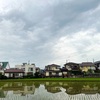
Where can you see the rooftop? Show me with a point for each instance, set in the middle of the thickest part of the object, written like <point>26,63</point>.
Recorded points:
<point>53,65</point>
<point>14,70</point>
<point>3,64</point>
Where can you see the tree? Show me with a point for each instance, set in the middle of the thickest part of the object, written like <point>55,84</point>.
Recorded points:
<point>37,74</point>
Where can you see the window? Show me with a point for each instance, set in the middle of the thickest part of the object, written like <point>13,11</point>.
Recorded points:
<point>23,69</point>
<point>16,74</point>
<point>30,69</point>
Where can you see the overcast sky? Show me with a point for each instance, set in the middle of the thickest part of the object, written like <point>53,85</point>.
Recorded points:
<point>49,31</point>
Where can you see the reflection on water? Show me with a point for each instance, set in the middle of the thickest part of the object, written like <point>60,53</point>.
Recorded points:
<point>50,91</point>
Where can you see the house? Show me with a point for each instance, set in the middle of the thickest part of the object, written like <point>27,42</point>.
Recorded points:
<point>86,66</point>
<point>53,70</point>
<point>14,73</point>
<point>64,72</point>
<point>72,68</point>
<point>29,69</point>
<point>4,66</point>
<point>97,64</point>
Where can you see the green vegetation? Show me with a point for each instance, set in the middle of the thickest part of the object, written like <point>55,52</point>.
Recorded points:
<point>55,79</point>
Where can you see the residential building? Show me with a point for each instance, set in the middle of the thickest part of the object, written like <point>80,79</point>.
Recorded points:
<point>86,66</point>
<point>64,72</point>
<point>53,70</point>
<point>72,66</point>
<point>14,73</point>
<point>97,64</point>
<point>29,69</point>
<point>72,69</point>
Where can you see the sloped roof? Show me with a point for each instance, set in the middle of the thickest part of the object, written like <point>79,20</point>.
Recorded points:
<point>53,65</point>
<point>14,70</point>
<point>4,64</point>
<point>87,64</point>
<point>71,63</point>
<point>96,62</point>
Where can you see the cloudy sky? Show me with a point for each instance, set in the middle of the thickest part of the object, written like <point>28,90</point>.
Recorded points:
<point>49,31</point>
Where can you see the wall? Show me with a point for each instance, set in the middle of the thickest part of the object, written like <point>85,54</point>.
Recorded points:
<point>26,68</point>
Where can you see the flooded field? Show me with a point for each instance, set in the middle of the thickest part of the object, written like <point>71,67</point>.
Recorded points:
<point>50,91</point>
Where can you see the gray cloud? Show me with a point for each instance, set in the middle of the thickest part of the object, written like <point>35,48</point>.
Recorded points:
<point>49,31</point>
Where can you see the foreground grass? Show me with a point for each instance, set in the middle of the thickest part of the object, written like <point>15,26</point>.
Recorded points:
<point>54,79</point>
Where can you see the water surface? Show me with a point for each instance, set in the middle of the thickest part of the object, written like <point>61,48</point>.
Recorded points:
<point>50,91</point>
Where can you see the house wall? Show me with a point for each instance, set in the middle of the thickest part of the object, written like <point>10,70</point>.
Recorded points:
<point>86,68</point>
<point>97,65</point>
<point>60,73</point>
<point>64,72</point>
<point>15,74</point>
<point>2,71</point>
<point>68,67</point>
<point>27,68</point>
<point>47,73</point>
<point>52,68</point>
<point>7,74</point>
<point>53,73</point>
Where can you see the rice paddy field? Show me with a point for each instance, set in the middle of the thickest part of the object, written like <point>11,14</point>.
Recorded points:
<point>54,79</point>
<point>50,89</point>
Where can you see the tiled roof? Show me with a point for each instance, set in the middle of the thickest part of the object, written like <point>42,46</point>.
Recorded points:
<point>14,70</point>
<point>71,63</point>
<point>87,64</point>
<point>53,65</point>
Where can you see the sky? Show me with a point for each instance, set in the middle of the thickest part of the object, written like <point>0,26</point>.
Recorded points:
<point>49,31</point>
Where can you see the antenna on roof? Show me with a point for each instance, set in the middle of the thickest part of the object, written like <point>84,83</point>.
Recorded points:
<point>66,61</point>
<point>93,60</point>
<point>29,62</point>
<point>87,59</point>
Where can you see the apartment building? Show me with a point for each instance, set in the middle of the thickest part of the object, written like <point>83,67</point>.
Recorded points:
<point>28,68</point>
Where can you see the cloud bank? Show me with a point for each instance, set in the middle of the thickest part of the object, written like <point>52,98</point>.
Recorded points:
<point>49,31</point>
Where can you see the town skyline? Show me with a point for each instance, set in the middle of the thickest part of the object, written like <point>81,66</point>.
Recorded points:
<point>42,67</point>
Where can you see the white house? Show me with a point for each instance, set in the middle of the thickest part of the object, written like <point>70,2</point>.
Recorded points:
<point>28,68</point>
<point>14,72</point>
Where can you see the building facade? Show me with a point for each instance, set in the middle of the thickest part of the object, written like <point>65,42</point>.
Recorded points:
<point>14,73</point>
<point>86,66</point>
<point>29,69</point>
<point>53,70</point>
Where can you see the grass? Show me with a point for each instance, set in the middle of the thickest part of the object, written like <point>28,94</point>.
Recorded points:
<point>54,79</point>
